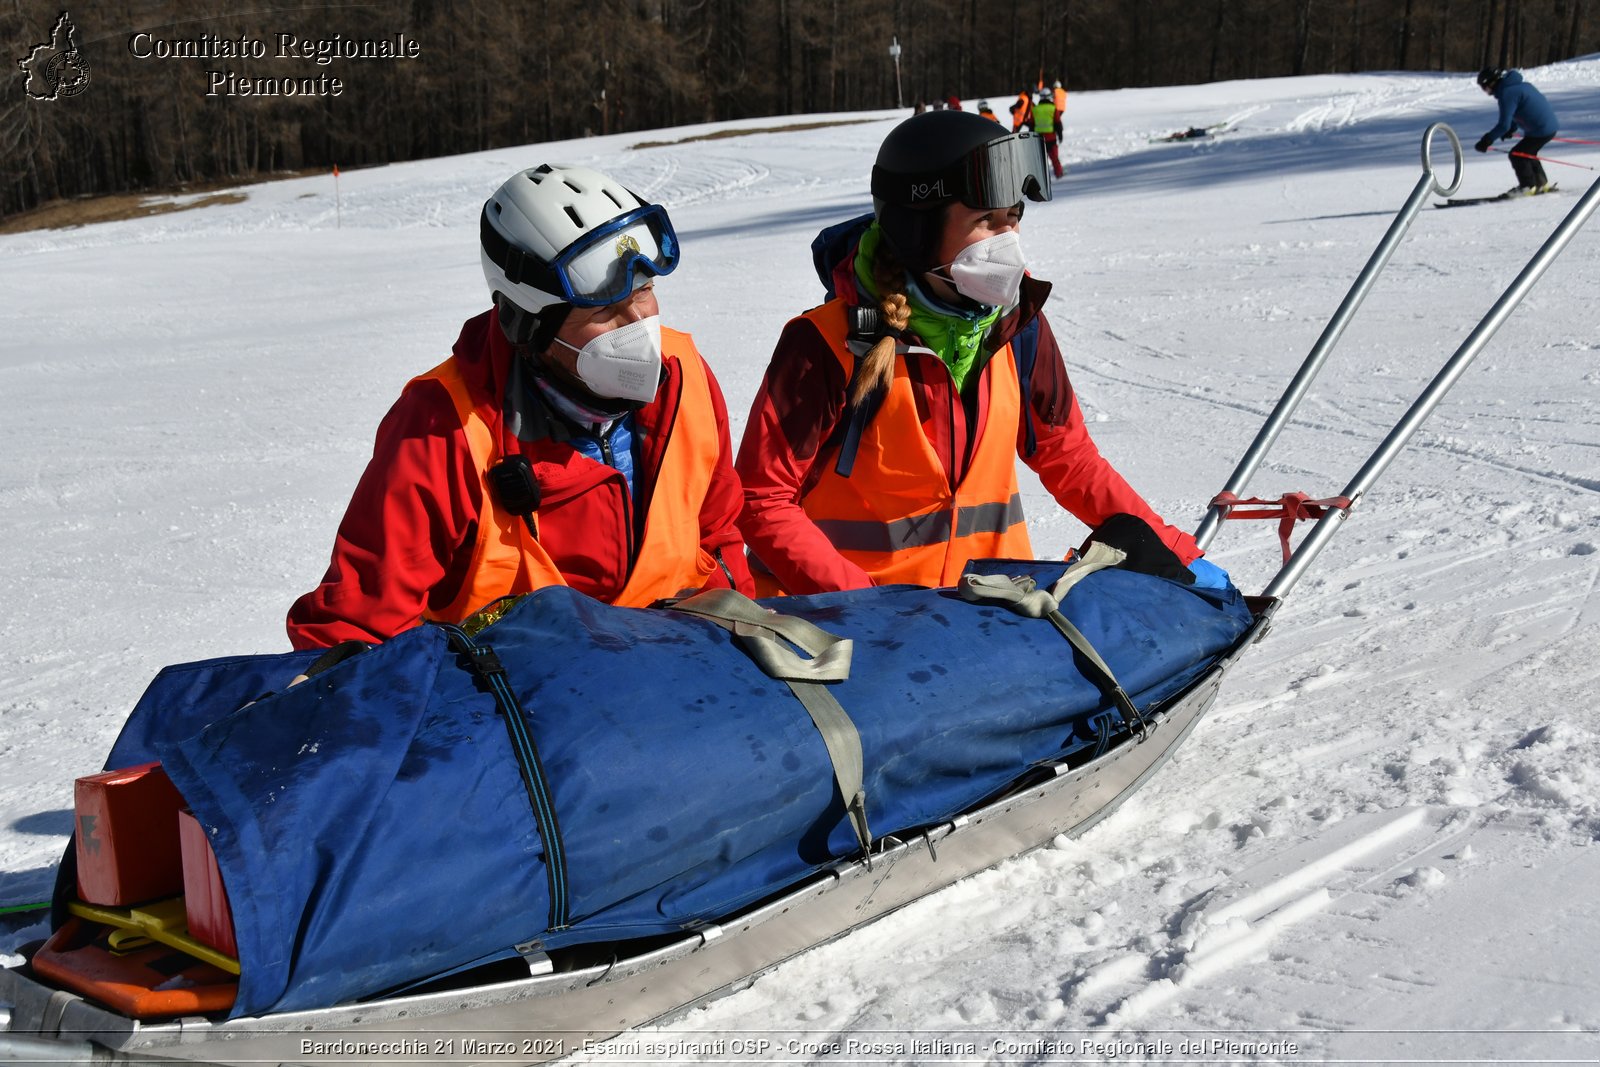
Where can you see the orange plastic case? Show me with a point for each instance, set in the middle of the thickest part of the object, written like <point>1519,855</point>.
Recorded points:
<point>147,982</point>
<point>127,840</point>
<point>204,898</point>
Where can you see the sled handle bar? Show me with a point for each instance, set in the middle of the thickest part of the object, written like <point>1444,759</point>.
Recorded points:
<point>1430,397</point>
<point>1426,185</point>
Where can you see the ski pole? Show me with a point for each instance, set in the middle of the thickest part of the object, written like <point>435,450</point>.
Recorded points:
<point>1541,159</point>
<point>1423,406</point>
<point>1427,185</point>
<point>1573,140</point>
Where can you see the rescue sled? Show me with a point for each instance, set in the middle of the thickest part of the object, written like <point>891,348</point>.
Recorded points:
<point>601,964</point>
<point>569,986</point>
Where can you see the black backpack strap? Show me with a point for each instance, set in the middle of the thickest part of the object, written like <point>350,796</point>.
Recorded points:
<point>866,327</point>
<point>835,243</point>
<point>1025,351</point>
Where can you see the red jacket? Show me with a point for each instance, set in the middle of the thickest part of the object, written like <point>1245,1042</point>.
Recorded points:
<point>786,443</point>
<point>406,538</point>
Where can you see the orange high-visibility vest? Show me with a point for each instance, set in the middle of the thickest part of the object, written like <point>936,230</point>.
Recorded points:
<point>507,559</point>
<point>896,516</point>
<point>1059,97</point>
<point>1021,111</point>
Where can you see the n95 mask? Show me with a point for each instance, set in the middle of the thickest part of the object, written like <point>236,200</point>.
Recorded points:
<point>990,271</point>
<point>623,364</point>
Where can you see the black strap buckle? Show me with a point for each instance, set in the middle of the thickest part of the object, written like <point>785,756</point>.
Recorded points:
<point>485,661</point>
<point>482,660</point>
<point>866,323</point>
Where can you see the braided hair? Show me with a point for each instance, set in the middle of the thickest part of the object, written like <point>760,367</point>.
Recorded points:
<point>877,366</point>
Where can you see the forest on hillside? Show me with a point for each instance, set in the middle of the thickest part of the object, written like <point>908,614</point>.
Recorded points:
<point>172,93</point>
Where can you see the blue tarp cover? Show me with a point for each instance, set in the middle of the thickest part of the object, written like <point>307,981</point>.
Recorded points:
<point>373,828</point>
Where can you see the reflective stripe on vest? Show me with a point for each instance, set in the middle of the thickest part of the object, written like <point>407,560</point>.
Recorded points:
<point>896,516</point>
<point>507,559</point>
<point>918,531</point>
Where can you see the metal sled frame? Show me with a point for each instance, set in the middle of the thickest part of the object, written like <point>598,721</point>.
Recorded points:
<point>587,994</point>
<point>1427,400</point>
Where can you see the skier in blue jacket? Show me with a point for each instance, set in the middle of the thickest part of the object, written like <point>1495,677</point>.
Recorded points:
<point>1521,106</point>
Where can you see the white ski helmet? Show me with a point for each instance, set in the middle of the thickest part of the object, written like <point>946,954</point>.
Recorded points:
<point>571,235</point>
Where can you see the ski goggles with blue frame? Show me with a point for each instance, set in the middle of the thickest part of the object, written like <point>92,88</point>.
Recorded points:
<point>599,267</point>
<point>999,174</point>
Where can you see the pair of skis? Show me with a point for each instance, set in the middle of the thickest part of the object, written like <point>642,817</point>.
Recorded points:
<point>1468,201</point>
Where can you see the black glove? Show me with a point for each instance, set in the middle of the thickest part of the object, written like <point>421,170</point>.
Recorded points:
<point>1147,554</point>
<point>1483,143</point>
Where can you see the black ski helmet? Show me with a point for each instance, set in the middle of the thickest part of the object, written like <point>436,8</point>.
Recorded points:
<point>1489,77</point>
<point>942,157</point>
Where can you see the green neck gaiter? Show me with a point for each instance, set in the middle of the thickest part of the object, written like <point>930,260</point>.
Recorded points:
<point>956,335</point>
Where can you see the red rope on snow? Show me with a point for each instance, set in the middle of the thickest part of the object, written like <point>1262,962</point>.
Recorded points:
<point>1289,509</point>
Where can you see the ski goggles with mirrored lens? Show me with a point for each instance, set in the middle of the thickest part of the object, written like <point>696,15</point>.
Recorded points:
<point>598,268</point>
<point>1004,172</point>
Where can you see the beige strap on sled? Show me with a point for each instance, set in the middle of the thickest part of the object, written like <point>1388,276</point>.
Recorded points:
<point>1023,597</point>
<point>757,631</point>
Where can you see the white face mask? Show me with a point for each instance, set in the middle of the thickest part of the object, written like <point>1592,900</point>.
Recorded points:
<point>990,271</point>
<point>623,364</point>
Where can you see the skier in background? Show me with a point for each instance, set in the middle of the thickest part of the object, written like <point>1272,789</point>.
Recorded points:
<point>1021,111</point>
<point>985,111</point>
<point>1044,124</point>
<point>1521,107</point>
<point>1058,97</point>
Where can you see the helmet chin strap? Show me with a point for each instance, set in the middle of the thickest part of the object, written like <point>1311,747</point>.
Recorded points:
<point>527,329</point>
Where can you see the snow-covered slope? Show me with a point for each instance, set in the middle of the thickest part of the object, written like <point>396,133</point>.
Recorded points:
<point>1381,844</point>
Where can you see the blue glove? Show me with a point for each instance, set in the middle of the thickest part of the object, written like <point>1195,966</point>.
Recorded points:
<point>1208,575</point>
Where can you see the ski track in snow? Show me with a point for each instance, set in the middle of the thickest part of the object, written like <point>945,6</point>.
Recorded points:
<point>1386,826</point>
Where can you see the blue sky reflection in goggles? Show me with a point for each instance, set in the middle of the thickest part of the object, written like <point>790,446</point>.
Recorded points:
<point>598,268</point>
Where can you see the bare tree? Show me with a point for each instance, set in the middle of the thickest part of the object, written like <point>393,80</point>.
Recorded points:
<point>497,74</point>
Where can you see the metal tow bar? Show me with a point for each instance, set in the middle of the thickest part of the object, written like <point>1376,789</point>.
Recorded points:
<point>1430,397</point>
